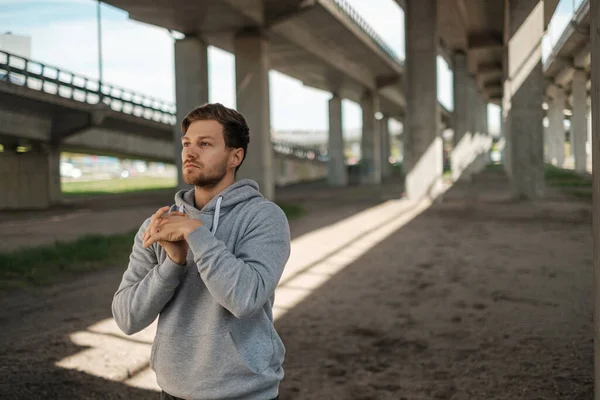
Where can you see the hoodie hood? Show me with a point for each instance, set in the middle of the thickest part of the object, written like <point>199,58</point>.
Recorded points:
<point>234,194</point>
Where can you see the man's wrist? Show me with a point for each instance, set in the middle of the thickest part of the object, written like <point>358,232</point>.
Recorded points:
<point>191,226</point>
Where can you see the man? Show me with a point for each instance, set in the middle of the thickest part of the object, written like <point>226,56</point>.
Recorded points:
<point>208,267</point>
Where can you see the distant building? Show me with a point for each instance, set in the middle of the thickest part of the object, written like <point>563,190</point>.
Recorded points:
<point>16,44</point>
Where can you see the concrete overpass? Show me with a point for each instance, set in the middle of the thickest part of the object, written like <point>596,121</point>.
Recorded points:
<point>49,110</point>
<point>567,69</point>
<point>323,43</point>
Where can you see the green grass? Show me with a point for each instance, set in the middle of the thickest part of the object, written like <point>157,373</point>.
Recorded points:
<point>563,178</point>
<point>32,267</point>
<point>111,186</point>
<point>48,264</point>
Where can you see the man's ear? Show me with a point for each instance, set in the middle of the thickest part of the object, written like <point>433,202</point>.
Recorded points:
<point>236,158</point>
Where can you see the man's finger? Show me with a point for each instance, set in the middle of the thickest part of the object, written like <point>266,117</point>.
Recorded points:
<point>159,213</point>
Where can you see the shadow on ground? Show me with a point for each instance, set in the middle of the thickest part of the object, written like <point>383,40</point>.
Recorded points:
<point>479,297</point>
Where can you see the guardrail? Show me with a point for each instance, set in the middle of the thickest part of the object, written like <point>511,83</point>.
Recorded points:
<point>34,75</point>
<point>563,16</point>
<point>302,152</point>
<point>366,28</point>
<point>53,80</point>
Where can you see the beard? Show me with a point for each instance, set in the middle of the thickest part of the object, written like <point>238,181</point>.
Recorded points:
<point>207,178</point>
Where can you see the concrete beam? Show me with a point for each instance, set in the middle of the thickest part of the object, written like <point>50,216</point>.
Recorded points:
<point>583,58</point>
<point>485,40</point>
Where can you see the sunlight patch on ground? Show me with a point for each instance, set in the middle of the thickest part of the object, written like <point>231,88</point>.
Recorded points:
<point>315,258</point>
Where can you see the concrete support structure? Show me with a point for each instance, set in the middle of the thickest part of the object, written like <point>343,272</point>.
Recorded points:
<point>191,87</point>
<point>423,160</point>
<point>461,97</point>
<point>371,140</point>
<point>595,112</point>
<point>30,180</point>
<point>386,168</point>
<point>556,128</point>
<point>579,120</point>
<point>251,50</point>
<point>337,173</point>
<point>523,97</point>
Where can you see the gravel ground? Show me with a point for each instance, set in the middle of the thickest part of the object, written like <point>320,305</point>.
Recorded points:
<point>478,297</point>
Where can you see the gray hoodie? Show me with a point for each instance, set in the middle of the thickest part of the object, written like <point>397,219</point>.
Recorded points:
<point>215,337</point>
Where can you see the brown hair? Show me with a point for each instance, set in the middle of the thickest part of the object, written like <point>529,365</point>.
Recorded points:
<point>235,129</point>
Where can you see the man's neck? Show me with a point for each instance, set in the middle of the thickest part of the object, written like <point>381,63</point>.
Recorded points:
<point>203,195</point>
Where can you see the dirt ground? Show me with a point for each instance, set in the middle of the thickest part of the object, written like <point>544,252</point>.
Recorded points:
<point>478,297</point>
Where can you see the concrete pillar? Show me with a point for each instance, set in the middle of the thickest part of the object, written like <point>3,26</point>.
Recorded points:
<point>252,90</point>
<point>386,168</point>
<point>423,146</point>
<point>371,140</point>
<point>461,97</point>
<point>30,180</point>
<point>595,112</point>
<point>54,179</point>
<point>472,102</point>
<point>524,94</point>
<point>191,87</point>
<point>556,132</point>
<point>588,145</point>
<point>579,121</point>
<point>507,140</point>
<point>337,173</point>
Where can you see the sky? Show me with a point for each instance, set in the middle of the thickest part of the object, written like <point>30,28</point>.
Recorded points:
<point>139,57</point>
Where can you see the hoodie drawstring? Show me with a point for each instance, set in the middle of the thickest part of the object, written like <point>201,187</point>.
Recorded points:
<point>216,217</point>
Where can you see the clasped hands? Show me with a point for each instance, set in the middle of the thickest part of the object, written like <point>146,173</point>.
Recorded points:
<point>170,230</point>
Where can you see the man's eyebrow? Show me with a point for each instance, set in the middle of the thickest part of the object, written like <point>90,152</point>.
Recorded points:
<point>185,137</point>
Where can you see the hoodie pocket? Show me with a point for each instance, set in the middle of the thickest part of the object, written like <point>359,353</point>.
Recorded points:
<point>203,363</point>
<point>255,352</point>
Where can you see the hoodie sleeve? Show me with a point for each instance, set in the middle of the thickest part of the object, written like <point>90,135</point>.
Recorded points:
<point>243,283</point>
<point>146,286</point>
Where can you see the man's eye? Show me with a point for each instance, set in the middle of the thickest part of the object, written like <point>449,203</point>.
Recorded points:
<point>204,143</point>
<point>185,144</point>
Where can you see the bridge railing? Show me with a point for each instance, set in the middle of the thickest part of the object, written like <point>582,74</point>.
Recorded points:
<point>301,152</point>
<point>35,75</point>
<point>563,16</point>
<point>366,28</point>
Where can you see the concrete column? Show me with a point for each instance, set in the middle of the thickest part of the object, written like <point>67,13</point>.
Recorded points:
<point>595,112</point>
<point>337,173</point>
<point>556,132</point>
<point>423,160</point>
<point>252,90</point>
<point>191,87</point>
<point>461,97</point>
<point>54,179</point>
<point>30,180</point>
<point>588,145</point>
<point>472,101</point>
<point>371,140</point>
<point>579,121</point>
<point>386,168</point>
<point>484,117</point>
<point>524,94</point>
